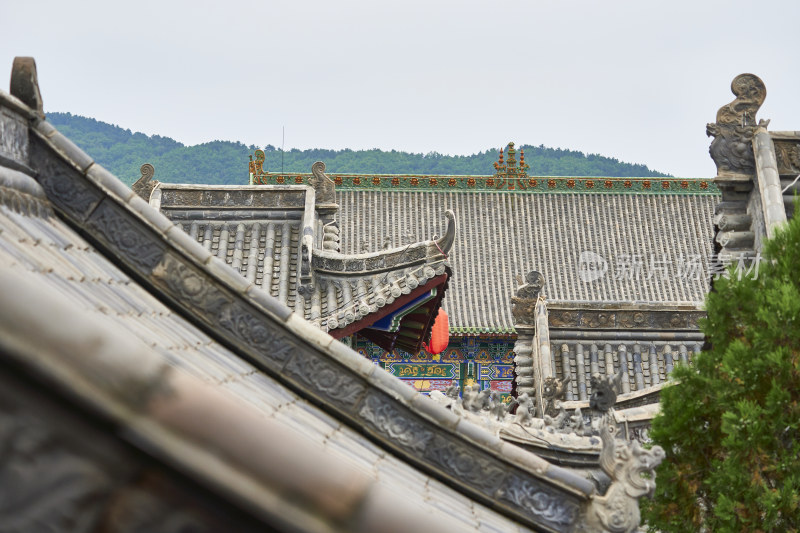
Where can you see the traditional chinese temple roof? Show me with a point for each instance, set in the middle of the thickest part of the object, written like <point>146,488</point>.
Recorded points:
<point>285,241</point>
<point>147,385</point>
<point>654,237</point>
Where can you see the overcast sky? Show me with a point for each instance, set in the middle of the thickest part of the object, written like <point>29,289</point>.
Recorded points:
<point>634,80</point>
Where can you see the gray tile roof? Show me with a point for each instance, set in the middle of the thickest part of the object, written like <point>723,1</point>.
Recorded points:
<point>258,232</point>
<point>503,235</point>
<point>251,334</point>
<point>63,264</point>
<point>644,365</point>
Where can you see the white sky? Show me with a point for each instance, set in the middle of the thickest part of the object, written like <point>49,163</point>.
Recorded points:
<point>635,80</point>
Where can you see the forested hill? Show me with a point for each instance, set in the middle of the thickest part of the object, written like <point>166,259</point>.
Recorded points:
<point>225,162</point>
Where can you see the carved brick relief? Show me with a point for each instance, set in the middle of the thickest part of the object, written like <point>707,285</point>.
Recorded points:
<point>62,184</point>
<point>13,137</point>
<point>122,233</point>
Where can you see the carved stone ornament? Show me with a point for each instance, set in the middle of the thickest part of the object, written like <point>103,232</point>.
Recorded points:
<point>144,186</point>
<point>524,302</point>
<point>25,83</point>
<point>119,230</point>
<point>787,154</point>
<point>192,289</point>
<point>480,472</point>
<point>61,183</point>
<point>390,422</point>
<point>732,148</point>
<point>625,463</point>
<point>553,508</point>
<point>563,319</point>
<point>13,137</point>
<point>327,378</point>
<point>554,390</point>
<point>323,186</point>
<point>604,391</point>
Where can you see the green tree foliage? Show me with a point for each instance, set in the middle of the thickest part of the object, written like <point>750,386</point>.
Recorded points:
<point>731,426</point>
<point>225,162</point>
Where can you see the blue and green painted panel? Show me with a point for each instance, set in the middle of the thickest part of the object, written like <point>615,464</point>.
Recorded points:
<point>485,360</point>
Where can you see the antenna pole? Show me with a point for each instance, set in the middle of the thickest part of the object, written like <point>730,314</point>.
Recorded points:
<point>283,142</point>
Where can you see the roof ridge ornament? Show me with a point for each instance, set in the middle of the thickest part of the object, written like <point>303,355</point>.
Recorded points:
<point>732,147</point>
<point>25,84</point>
<point>523,303</point>
<point>144,185</point>
<point>510,173</point>
<point>750,93</point>
<point>445,242</point>
<point>323,185</point>
<point>625,463</point>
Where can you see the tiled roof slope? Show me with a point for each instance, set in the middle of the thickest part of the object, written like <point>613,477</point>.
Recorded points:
<point>185,277</point>
<point>69,272</point>
<point>503,235</point>
<point>643,365</point>
<point>258,231</point>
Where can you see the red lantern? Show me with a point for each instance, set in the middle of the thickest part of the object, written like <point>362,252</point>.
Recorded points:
<point>440,333</point>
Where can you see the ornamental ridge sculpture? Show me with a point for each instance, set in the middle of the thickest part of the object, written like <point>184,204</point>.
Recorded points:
<point>524,301</point>
<point>144,185</point>
<point>732,147</point>
<point>630,467</point>
<point>323,185</point>
<point>508,172</point>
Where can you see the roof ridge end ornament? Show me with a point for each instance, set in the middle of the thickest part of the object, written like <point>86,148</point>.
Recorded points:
<point>145,184</point>
<point>625,463</point>
<point>446,241</point>
<point>25,84</point>
<point>732,149</point>
<point>324,187</point>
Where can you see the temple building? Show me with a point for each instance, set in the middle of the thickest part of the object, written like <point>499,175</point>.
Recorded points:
<point>170,355</point>
<point>623,265</point>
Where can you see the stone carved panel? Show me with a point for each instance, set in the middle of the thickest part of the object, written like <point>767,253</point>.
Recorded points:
<point>598,319</point>
<point>693,321</point>
<point>563,319</point>
<point>127,237</point>
<point>540,502</point>
<point>63,184</point>
<point>332,381</point>
<point>670,320</point>
<point>199,198</point>
<point>633,319</point>
<point>466,465</point>
<point>13,137</point>
<point>390,422</point>
<point>788,155</point>
<point>195,290</point>
<point>625,319</point>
